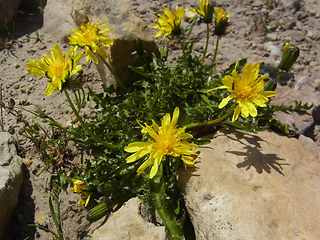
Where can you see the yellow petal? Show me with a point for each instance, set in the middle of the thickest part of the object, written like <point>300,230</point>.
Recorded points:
<point>188,161</point>
<point>234,71</point>
<point>236,113</point>
<point>252,109</point>
<point>49,89</point>
<point>268,93</point>
<point>136,146</point>
<point>92,56</point>
<point>75,70</point>
<point>144,165</point>
<point>228,81</point>
<point>87,200</point>
<point>260,100</point>
<point>155,167</point>
<point>134,157</point>
<point>225,101</point>
<point>101,52</point>
<point>166,120</point>
<point>221,87</point>
<point>175,117</point>
<point>244,111</point>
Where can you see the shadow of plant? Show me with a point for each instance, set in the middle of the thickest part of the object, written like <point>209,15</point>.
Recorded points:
<point>254,157</point>
<point>260,161</point>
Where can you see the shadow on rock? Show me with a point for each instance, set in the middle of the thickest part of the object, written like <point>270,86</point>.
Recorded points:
<point>29,18</point>
<point>260,161</point>
<point>254,157</point>
<point>23,214</point>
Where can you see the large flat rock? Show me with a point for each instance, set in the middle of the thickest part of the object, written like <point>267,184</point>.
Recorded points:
<point>253,186</point>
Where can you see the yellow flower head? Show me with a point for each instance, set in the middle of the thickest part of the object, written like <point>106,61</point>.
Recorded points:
<point>166,140</point>
<point>221,15</point>
<point>57,67</point>
<point>285,47</point>
<point>247,90</point>
<point>221,21</point>
<point>169,22</point>
<point>90,37</point>
<point>205,10</point>
<point>79,187</point>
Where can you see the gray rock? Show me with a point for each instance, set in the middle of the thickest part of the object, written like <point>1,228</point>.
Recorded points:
<point>313,34</point>
<point>8,11</point>
<point>10,179</point>
<point>57,13</point>
<point>127,223</point>
<point>312,146</point>
<point>272,49</point>
<point>253,186</point>
<point>120,17</point>
<point>272,36</point>
<point>304,80</point>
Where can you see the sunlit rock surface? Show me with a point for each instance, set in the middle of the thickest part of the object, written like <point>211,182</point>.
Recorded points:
<point>253,186</point>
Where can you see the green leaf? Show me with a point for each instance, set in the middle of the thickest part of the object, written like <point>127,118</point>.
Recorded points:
<point>201,141</point>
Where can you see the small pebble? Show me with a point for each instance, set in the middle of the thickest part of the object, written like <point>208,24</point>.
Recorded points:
<point>41,46</point>
<point>27,162</point>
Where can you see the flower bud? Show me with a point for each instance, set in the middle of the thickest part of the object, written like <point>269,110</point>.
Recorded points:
<point>289,57</point>
<point>163,53</point>
<point>221,21</point>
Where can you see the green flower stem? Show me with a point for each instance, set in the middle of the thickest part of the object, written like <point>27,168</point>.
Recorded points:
<point>216,50</point>
<point>280,73</point>
<point>193,125</point>
<point>185,58</point>
<point>207,43</point>
<point>84,125</point>
<point>158,200</point>
<point>118,80</point>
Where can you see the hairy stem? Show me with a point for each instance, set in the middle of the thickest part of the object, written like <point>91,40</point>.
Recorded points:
<point>216,50</point>
<point>159,201</point>
<point>214,121</point>
<point>207,43</point>
<point>84,125</point>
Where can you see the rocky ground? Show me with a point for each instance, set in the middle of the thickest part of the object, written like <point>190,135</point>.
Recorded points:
<point>257,31</point>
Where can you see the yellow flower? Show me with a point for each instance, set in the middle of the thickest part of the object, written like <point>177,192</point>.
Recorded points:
<point>169,22</point>
<point>78,187</point>
<point>205,9</point>
<point>221,22</point>
<point>221,15</point>
<point>166,140</point>
<point>90,36</point>
<point>246,89</point>
<point>57,67</point>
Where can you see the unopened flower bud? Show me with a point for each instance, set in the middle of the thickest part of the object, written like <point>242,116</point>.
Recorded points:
<point>289,57</point>
<point>163,53</point>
